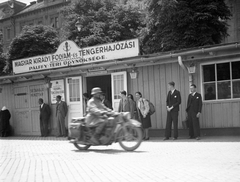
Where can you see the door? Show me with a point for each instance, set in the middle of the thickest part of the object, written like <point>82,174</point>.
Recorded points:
<point>36,92</point>
<point>26,113</point>
<point>119,83</point>
<point>22,122</point>
<point>74,97</point>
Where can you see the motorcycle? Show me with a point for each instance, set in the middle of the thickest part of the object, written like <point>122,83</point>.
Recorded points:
<point>121,128</point>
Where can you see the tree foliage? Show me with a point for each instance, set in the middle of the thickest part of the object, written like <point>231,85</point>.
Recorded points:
<point>178,24</point>
<point>1,42</point>
<point>2,58</point>
<point>102,22</point>
<point>32,41</point>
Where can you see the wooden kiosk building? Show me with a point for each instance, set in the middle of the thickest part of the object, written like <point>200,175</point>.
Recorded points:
<point>71,71</point>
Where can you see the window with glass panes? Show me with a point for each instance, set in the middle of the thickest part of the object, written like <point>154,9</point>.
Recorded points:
<point>74,90</point>
<point>221,80</point>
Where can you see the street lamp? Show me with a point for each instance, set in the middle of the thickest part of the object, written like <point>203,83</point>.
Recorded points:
<point>78,25</point>
<point>133,73</point>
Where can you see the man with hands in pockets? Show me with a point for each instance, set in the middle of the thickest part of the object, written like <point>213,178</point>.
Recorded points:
<point>194,109</point>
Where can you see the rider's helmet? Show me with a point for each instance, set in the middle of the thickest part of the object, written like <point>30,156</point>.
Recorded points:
<point>96,90</point>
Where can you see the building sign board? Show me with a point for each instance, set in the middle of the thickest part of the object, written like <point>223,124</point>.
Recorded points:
<point>69,54</point>
<point>57,89</point>
<point>36,91</point>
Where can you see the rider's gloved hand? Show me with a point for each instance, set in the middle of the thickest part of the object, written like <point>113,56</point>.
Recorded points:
<point>115,113</point>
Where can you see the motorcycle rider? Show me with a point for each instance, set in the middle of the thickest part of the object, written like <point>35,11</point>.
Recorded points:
<point>97,114</point>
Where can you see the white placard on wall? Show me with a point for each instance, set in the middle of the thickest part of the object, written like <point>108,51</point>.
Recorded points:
<point>57,88</point>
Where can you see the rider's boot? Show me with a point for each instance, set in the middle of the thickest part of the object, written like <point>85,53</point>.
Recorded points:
<point>94,139</point>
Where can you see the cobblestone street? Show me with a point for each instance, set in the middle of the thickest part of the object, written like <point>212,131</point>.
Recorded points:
<point>55,159</point>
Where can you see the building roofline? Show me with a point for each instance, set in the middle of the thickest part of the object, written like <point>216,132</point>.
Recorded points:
<point>18,2</point>
<point>24,13</point>
<point>44,7</point>
<point>203,48</point>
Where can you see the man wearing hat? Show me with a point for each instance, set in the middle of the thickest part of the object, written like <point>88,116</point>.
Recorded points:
<point>173,102</point>
<point>97,114</point>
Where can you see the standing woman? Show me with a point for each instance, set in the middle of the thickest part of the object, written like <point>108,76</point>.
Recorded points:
<point>134,108</point>
<point>143,114</point>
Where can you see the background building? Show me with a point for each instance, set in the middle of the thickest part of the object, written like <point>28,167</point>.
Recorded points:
<point>14,15</point>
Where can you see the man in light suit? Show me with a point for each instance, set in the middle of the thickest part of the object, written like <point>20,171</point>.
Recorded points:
<point>126,104</point>
<point>45,113</point>
<point>194,109</point>
<point>173,102</point>
<point>97,115</point>
<point>61,113</point>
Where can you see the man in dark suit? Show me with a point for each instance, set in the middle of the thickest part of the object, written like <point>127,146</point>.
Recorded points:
<point>173,102</point>
<point>61,113</point>
<point>105,101</point>
<point>194,109</point>
<point>126,104</point>
<point>45,113</point>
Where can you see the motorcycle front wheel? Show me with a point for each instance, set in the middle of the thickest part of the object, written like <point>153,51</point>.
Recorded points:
<point>131,139</point>
<point>81,146</point>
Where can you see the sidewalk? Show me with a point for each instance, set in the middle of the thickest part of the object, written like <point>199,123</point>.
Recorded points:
<point>51,159</point>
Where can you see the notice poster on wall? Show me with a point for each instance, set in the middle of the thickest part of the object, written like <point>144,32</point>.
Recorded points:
<point>57,89</point>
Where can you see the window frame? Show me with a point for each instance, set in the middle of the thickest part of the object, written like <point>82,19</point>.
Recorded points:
<point>215,82</point>
<point>8,33</point>
<point>55,24</point>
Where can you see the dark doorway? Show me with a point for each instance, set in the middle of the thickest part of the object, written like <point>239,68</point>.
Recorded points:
<point>104,82</point>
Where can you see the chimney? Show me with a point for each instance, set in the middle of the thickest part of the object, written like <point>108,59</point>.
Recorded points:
<point>33,2</point>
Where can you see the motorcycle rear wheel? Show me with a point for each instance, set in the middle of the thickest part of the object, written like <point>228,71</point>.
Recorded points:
<point>81,146</point>
<point>133,138</point>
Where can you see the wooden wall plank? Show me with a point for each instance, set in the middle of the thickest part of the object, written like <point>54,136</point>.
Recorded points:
<point>140,80</point>
<point>235,114</point>
<point>168,73</point>
<point>152,94</point>
<point>157,98</point>
<point>163,95</point>
<point>226,115</point>
<point>35,122</point>
<point>184,90</point>
<point>206,119</point>
<point>218,118</point>
<point>146,88</point>
<point>177,79</point>
<point>5,99</point>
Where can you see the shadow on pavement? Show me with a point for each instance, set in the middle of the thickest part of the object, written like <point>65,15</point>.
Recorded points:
<point>203,139</point>
<point>107,151</point>
<point>152,139</point>
<point>50,138</point>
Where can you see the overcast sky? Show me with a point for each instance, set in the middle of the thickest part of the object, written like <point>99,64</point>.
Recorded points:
<point>23,1</point>
<point>26,1</point>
